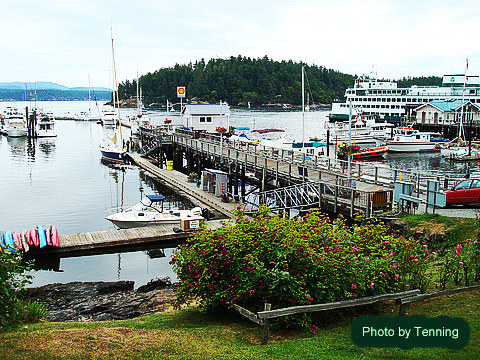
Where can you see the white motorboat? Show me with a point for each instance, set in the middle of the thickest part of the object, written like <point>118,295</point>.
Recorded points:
<point>363,131</point>
<point>406,139</point>
<point>14,123</point>
<point>149,211</point>
<point>109,117</point>
<point>46,125</point>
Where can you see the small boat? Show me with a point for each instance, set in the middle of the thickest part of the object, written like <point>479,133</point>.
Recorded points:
<point>112,152</point>
<point>368,153</point>
<point>406,139</point>
<point>46,125</point>
<point>149,211</point>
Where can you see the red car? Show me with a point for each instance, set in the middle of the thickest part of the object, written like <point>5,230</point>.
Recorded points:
<point>464,192</point>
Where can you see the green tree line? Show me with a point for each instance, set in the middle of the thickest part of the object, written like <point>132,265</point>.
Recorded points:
<point>241,80</point>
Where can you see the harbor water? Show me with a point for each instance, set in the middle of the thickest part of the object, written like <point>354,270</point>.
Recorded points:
<point>62,181</point>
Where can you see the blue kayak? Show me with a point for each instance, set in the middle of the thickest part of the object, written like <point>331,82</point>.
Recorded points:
<point>8,239</point>
<point>42,240</point>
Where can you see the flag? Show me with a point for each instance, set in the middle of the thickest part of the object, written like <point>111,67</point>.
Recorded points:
<point>466,65</point>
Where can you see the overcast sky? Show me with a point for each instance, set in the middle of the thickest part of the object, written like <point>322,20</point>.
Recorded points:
<point>65,41</point>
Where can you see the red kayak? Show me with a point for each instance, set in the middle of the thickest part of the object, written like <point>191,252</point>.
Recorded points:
<point>34,237</point>
<point>54,236</point>
<point>370,152</point>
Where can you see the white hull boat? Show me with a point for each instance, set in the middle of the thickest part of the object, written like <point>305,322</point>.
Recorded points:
<point>149,212</point>
<point>407,140</point>
<point>46,126</point>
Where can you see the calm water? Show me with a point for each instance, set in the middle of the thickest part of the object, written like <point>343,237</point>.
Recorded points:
<point>63,182</point>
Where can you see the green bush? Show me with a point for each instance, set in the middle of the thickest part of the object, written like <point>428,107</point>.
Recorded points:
<point>290,262</point>
<point>13,278</point>
<point>33,312</point>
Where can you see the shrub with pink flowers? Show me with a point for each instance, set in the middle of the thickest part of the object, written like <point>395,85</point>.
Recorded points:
<point>289,262</point>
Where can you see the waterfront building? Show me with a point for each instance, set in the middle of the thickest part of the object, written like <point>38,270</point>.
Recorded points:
<point>447,112</point>
<point>206,116</point>
<point>384,100</point>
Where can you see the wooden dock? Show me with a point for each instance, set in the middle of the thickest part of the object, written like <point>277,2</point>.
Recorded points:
<point>118,240</point>
<point>178,181</point>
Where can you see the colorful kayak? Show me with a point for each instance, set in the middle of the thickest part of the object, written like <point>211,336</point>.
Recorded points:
<point>48,235</point>
<point>26,245</point>
<point>17,240</point>
<point>34,237</point>
<point>8,239</point>
<point>28,238</point>
<point>2,243</point>
<point>54,234</point>
<point>42,240</point>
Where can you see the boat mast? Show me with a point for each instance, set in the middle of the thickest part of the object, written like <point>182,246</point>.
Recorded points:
<point>89,99</point>
<point>303,107</point>
<point>461,131</point>
<point>116,92</point>
<point>139,110</point>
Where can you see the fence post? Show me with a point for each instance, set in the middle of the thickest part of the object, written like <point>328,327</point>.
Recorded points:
<point>267,307</point>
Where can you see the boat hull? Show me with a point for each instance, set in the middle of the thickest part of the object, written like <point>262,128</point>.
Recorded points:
<point>371,153</point>
<point>125,224</point>
<point>411,147</point>
<point>114,156</point>
<point>17,132</point>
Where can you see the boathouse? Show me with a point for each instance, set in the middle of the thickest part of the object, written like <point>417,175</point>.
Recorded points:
<point>447,112</point>
<point>206,117</point>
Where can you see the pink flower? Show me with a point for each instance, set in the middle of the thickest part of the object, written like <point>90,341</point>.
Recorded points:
<point>397,276</point>
<point>459,246</point>
<point>456,252</point>
<point>415,260</point>
<point>381,272</point>
<point>355,296</point>
<point>371,284</point>
<point>461,263</point>
<point>353,287</point>
<point>310,299</point>
<point>387,242</point>
<point>391,254</point>
<point>367,259</point>
<point>476,242</point>
<point>394,266</point>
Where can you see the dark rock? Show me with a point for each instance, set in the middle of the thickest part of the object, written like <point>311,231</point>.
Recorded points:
<point>98,301</point>
<point>155,284</point>
<point>112,287</point>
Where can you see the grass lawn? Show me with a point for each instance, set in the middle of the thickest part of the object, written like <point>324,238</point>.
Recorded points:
<point>192,334</point>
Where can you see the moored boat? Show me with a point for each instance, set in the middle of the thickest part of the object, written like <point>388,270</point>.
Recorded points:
<point>407,139</point>
<point>368,153</point>
<point>149,211</point>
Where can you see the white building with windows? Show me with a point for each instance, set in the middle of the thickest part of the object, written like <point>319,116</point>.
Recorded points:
<point>206,116</point>
<point>447,112</point>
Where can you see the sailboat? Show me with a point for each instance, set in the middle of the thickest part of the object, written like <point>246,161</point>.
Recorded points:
<point>457,149</point>
<point>141,118</point>
<point>111,150</point>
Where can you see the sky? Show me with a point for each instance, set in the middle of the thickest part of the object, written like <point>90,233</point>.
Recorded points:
<point>68,42</point>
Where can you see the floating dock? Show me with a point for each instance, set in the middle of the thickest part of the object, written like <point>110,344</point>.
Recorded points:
<point>96,242</point>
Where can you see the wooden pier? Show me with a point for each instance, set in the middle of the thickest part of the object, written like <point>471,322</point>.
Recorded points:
<point>107,241</point>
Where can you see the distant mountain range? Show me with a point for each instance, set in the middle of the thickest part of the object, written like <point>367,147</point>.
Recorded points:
<point>45,85</point>
<point>48,91</point>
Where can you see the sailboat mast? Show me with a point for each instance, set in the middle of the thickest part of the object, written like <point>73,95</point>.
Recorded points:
<point>116,93</point>
<point>461,130</point>
<point>138,99</point>
<point>303,106</point>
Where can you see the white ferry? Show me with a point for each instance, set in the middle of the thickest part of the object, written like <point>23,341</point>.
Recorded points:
<point>384,100</point>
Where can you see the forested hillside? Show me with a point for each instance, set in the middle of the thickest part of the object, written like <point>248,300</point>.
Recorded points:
<point>239,80</point>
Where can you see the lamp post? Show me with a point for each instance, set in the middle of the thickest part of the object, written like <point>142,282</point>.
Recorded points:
<point>349,139</point>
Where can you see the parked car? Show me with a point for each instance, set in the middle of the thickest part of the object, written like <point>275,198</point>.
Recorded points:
<point>464,192</point>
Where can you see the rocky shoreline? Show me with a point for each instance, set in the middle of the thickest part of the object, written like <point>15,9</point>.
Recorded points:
<point>101,301</point>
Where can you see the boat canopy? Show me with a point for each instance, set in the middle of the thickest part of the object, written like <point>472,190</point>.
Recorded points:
<point>154,198</point>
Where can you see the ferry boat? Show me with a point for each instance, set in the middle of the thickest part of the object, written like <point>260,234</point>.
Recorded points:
<point>384,100</point>
<point>407,139</point>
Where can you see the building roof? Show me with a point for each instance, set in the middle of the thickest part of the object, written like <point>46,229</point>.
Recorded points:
<point>206,109</point>
<point>447,105</point>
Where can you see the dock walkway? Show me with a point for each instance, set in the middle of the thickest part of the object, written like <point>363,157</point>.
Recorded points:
<point>179,182</point>
<point>116,240</point>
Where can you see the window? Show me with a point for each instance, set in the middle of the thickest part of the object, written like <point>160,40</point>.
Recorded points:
<point>209,119</point>
<point>465,184</point>
<point>475,184</point>
<point>202,119</point>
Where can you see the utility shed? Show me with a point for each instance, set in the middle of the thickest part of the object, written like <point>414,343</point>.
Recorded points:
<point>206,116</point>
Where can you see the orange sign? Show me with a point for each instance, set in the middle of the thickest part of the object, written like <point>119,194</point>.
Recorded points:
<point>181,91</point>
